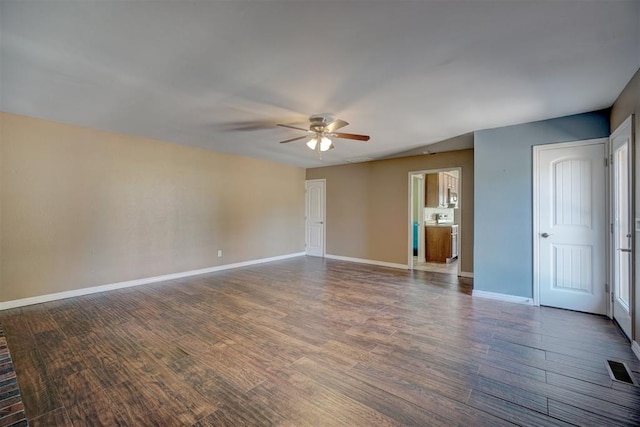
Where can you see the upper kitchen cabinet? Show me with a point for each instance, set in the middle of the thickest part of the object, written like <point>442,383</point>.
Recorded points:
<point>441,190</point>
<point>432,190</point>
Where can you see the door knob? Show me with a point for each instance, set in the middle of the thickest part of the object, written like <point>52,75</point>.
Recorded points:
<point>625,250</point>
<point>545,235</point>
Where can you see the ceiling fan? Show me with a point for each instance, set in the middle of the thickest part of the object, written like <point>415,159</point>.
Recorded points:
<point>321,127</point>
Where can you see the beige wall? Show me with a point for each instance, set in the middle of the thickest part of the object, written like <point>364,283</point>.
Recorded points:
<point>629,103</point>
<point>82,208</point>
<point>367,206</point>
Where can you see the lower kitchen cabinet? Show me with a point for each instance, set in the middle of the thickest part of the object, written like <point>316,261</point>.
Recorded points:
<point>441,243</point>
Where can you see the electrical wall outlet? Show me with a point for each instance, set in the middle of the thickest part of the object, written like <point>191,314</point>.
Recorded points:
<point>219,253</point>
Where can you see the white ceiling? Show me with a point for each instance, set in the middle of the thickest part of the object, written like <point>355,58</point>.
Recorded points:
<point>408,73</point>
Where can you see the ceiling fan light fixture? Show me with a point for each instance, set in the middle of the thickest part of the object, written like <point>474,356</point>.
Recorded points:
<point>325,144</point>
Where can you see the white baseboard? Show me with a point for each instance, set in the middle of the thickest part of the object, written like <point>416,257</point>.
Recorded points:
<point>368,261</point>
<point>137,282</point>
<point>503,297</point>
<point>466,274</point>
<point>635,347</point>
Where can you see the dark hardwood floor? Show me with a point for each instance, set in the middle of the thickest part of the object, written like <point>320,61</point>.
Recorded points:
<point>308,341</point>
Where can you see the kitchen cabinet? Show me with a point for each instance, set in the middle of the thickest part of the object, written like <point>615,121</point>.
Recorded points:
<point>441,243</point>
<point>432,195</point>
<point>438,186</point>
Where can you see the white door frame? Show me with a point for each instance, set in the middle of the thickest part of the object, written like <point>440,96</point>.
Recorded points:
<point>324,214</point>
<point>628,122</point>
<point>536,205</point>
<point>420,219</point>
<point>420,178</point>
<point>411,219</point>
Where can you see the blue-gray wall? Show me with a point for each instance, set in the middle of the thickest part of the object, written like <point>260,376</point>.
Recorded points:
<point>503,222</point>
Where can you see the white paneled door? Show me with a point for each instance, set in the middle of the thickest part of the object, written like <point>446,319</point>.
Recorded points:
<point>315,211</point>
<point>622,241</point>
<point>570,226</point>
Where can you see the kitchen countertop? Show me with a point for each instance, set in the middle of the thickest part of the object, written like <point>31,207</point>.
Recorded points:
<point>442,224</point>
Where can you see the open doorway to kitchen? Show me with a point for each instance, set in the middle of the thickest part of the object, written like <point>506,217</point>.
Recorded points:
<point>434,220</point>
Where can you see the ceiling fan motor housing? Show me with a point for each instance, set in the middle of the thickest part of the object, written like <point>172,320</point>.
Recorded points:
<point>319,122</point>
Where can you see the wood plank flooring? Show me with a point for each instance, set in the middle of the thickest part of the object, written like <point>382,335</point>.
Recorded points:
<point>11,407</point>
<point>314,342</point>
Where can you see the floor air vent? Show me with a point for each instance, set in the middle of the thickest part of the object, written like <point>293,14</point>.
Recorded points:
<point>618,371</point>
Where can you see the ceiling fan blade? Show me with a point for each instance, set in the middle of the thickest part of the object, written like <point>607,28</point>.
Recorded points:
<point>293,139</point>
<point>248,125</point>
<point>293,127</point>
<point>336,124</point>
<point>350,136</point>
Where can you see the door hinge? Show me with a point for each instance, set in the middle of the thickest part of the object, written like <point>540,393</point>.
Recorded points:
<point>611,228</point>
<point>606,287</point>
<point>606,162</point>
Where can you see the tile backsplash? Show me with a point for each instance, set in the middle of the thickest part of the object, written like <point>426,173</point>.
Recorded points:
<point>445,215</point>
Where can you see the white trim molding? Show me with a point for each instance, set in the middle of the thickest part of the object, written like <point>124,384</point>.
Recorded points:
<point>467,274</point>
<point>503,297</point>
<point>368,261</point>
<point>137,282</point>
<point>635,347</point>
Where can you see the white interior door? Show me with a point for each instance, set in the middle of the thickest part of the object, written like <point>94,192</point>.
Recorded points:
<point>621,214</point>
<point>570,226</point>
<point>315,212</point>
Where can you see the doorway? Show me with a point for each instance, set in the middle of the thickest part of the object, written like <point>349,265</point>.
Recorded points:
<point>435,220</point>
<point>622,240</point>
<point>569,226</point>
